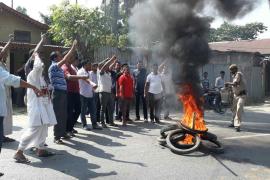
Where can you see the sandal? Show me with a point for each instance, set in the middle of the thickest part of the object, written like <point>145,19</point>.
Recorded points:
<point>21,159</point>
<point>45,154</point>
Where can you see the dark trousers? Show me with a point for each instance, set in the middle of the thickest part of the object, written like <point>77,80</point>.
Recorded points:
<point>74,109</point>
<point>125,104</point>
<point>155,101</point>
<point>98,106</point>
<point>90,105</point>
<point>106,104</point>
<point>140,96</point>
<point>1,131</point>
<point>117,108</point>
<point>59,99</point>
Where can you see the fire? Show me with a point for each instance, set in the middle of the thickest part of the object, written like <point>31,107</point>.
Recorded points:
<point>193,113</point>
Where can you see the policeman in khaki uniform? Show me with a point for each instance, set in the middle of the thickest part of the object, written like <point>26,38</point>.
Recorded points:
<point>240,93</point>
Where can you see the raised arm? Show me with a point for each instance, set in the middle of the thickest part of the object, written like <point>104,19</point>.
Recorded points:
<point>69,54</point>
<point>112,65</point>
<point>6,48</point>
<point>160,68</point>
<point>40,44</point>
<point>102,63</point>
<point>107,64</point>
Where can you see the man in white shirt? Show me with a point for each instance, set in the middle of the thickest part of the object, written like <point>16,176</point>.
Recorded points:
<point>220,82</point>
<point>86,96</point>
<point>153,91</point>
<point>105,90</point>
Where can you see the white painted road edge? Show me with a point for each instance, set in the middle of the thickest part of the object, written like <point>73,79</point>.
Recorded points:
<point>247,136</point>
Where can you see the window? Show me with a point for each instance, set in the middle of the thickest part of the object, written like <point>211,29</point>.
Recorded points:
<point>22,36</point>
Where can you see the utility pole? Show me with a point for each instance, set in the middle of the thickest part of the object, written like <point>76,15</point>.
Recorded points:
<point>12,4</point>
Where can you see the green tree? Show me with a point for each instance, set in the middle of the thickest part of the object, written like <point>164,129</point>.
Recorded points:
<point>230,32</point>
<point>89,26</point>
<point>22,10</point>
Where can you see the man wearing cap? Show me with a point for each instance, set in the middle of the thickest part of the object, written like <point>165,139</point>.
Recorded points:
<point>239,90</point>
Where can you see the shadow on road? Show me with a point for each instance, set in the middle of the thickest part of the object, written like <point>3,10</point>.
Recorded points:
<point>71,165</point>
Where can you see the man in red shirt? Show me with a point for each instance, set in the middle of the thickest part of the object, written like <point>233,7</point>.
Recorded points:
<point>73,95</point>
<point>126,92</point>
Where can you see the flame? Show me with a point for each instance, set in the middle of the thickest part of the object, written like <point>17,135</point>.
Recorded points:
<point>193,112</point>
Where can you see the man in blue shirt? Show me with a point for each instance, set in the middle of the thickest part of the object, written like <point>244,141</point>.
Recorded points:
<point>59,94</point>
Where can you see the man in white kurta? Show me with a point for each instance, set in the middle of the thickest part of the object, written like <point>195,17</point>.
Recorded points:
<point>40,114</point>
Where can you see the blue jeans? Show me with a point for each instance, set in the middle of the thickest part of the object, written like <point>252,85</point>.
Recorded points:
<point>90,105</point>
<point>1,131</point>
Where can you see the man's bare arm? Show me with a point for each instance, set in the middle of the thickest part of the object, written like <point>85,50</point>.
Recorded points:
<point>107,64</point>
<point>146,88</point>
<point>68,55</point>
<point>6,47</point>
<point>160,68</point>
<point>40,44</point>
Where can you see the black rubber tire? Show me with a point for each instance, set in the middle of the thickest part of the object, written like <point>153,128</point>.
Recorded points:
<point>161,141</point>
<point>165,129</point>
<point>209,136</point>
<point>178,149</point>
<point>218,149</point>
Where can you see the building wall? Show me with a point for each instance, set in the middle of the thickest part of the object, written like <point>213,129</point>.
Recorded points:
<point>10,23</point>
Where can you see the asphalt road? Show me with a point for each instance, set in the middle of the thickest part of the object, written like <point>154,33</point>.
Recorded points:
<point>133,153</point>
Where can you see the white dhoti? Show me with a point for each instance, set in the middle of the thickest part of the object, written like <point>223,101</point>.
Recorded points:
<point>34,137</point>
<point>8,119</point>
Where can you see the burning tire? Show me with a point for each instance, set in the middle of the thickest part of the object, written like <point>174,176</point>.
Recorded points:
<point>165,129</point>
<point>182,148</point>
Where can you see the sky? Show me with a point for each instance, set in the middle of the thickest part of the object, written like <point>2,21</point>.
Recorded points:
<point>260,14</point>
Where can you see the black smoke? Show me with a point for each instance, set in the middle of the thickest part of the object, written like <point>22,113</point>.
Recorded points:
<point>177,30</point>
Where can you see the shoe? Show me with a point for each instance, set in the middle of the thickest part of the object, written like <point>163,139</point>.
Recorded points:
<point>158,122</point>
<point>152,121</point>
<point>231,126</point>
<point>97,127</point>
<point>8,140</point>
<point>167,118</point>
<point>74,131</point>
<point>86,128</point>
<point>104,125</point>
<point>145,120</point>
<point>58,141</point>
<point>66,136</point>
<point>70,134</point>
<point>137,119</point>
<point>237,129</point>
<point>113,125</point>
<point>46,145</point>
<point>1,174</point>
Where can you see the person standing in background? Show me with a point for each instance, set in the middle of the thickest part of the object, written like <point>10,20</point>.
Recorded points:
<point>166,76</point>
<point>93,78</point>
<point>140,75</point>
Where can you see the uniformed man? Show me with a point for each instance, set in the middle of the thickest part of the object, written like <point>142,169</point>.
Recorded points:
<point>240,93</point>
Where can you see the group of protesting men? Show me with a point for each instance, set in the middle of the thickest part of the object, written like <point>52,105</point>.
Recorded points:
<point>99,89</point>
<point>72,91</point>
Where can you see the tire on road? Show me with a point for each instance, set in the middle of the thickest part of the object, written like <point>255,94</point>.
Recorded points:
<point>182,149</point>
<point>165,129</point>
